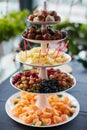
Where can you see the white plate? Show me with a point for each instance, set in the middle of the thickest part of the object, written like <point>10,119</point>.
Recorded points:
<point>44,93</point>
<point>43,23</point>
<point>9,105</point>
<point>43,66</point>
<point>44,41</point>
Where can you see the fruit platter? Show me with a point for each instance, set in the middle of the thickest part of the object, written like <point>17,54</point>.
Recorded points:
<point>21,108</point>
<point>44,17</point>
<point>29,80</point>
<point>36,57</point>
<point>43,34</point>
<point>42,100</point>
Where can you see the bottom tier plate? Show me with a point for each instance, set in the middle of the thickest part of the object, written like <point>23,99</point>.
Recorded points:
<point>9,105</point>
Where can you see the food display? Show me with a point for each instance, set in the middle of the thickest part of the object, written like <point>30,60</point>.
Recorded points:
<point>29,80</point>
<point>63,109</point>
<point>38,58</point>
<point>43,34</point>
<point>44,16</point>
<point>42,101</point>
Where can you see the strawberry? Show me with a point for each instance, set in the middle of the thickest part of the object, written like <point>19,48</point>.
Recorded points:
<point>31,17</point>
<point>45,13</point>
<point>47,36</point>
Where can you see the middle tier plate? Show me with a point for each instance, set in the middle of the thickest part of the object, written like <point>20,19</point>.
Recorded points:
<point>36,58</point>
<point>30,81</point>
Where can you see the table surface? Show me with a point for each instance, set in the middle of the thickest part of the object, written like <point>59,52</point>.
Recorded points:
<point>79,92</point>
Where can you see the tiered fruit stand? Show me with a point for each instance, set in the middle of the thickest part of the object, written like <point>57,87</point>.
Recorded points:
<point>42,97</point>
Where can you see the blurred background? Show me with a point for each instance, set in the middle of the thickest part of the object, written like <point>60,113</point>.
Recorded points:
<point>13,16</point>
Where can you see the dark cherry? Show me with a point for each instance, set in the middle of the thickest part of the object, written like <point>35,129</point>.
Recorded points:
<point>45,13</point>
<point>31,17</point>
<point>53,37</point>
<point>44,31</point>
<point>24,34</point>
<point>41,17</point>
<point>58,35</point>
<point>32,30</point>
<point>57,18</point>
<point>38,37</point>
<point>31,36</point>
<point>63,34</point>
<point>38,31</point>
<point>53,13</point>
<point>47,36</point>
<point>51,31</point>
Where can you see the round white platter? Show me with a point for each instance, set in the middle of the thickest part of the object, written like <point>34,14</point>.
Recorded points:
<point>43,23</point>
<point>9,105</point>
<point>45,66</point>
<point>44,93</point>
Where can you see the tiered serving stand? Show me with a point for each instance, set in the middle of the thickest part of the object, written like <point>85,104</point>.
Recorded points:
<point>42,100</point>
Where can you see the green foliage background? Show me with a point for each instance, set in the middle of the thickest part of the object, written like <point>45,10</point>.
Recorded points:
<point>13,24</point>
<point>76,33</point>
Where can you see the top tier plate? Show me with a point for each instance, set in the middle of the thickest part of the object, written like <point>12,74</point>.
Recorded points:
<point>43,23</point>
<point>44,17</point>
